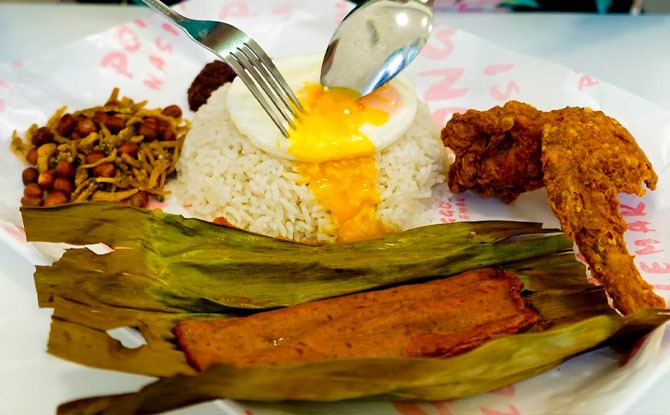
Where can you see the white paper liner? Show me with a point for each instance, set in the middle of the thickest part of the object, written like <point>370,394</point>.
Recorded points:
<point>150,59</point>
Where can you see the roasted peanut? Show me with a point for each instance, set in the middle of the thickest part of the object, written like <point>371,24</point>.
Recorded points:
<point>104,170</point>
<point>55,198</point>
<point>46,179</point>
<point>31,157</point>
<point>86,127</point>
<point>31,201</point>
<point>66,125</point>
<point>148,129</point>
<point>99,116</point>
<point>93,156</point>
<point>41,136</point>
<point>64,185</point>
<point>163,123</point>
<point>172,111</point>
<point>33,190</point>
<point>130,148</point>
<point>139,199</point>
<point>114,124</point>
<point>167,134</point>
<point>64,169</point>
<point>29,175</point>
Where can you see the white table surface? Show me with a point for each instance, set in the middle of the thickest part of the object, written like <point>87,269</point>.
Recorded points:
<point>631,52</point>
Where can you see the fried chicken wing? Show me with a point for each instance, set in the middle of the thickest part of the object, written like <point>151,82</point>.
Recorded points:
<point>587,159</point>
<point>584,159</point>
<point>497,151</point>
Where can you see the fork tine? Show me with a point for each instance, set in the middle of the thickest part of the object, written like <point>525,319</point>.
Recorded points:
<point>256,70</point>
<point>288,109</point>
<point>269,69</point>
<point>246,58</point>
<point>234,63</point>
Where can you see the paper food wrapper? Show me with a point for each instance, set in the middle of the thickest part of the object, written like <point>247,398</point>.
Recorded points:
<point>151,59</point>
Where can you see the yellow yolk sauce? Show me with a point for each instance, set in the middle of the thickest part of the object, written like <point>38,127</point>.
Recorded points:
<point>345,185</point>
<point>347,190</point>
<point>330,127</point>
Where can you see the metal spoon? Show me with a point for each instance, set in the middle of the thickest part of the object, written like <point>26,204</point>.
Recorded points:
<point>376,41</point>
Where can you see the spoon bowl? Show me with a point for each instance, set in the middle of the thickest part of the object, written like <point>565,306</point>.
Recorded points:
<point>375,42</point>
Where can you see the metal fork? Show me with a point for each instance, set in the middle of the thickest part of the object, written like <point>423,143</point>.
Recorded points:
<point>246,58</point>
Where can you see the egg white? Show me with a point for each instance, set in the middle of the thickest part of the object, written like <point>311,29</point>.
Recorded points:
<point>252,121</point>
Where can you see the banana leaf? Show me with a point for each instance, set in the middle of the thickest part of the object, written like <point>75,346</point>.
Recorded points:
<point>171,263</point>
<point>79,333</point>
<point>134,287</point>
<point>80,324</point>
<point>492,365</point>
<point>165,268</point>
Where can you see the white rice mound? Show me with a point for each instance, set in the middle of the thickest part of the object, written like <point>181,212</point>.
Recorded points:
<point>221,173</point>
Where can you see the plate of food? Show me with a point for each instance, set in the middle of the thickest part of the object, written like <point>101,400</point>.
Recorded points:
<point>483,234</point>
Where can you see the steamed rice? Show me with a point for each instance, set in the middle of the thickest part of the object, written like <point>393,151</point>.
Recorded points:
<point>222,174</point>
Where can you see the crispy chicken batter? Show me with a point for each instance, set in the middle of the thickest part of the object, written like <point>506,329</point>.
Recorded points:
<point>583,157</point>
<point>587,159</point>
<point>497,151</point>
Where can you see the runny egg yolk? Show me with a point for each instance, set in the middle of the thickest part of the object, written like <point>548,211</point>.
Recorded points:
<point>344,184</point>
<point>330,127</point>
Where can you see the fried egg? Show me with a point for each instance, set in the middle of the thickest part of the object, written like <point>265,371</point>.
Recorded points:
<point>337,123</point>
<point>334,143</point>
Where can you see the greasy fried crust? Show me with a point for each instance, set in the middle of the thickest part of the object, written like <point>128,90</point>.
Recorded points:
<point>588,158</point>
<point>434,319</point>
<point>497,151</point>
<point>583,157</point>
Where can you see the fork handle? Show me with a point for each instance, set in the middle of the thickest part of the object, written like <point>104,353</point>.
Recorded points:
<point>165,10</point>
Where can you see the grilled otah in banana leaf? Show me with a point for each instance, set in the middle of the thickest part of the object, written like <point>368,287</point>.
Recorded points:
<point>165,269</point>
<point>440,318</point>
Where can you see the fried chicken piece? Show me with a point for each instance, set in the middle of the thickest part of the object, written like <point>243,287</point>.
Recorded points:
<point>497,151</point>
<point>434,319</point>
<point>583,157</point>
<point>588,158</point>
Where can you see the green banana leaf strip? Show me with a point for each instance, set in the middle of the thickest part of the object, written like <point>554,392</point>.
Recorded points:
<point>94,293</point>
<point>79,334</point>
<point>165,268</point>
<point>507,360</point>
<point>194,266</point>
<point>79,331</point>
<point>80,321</point>
<point>565,272</point>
